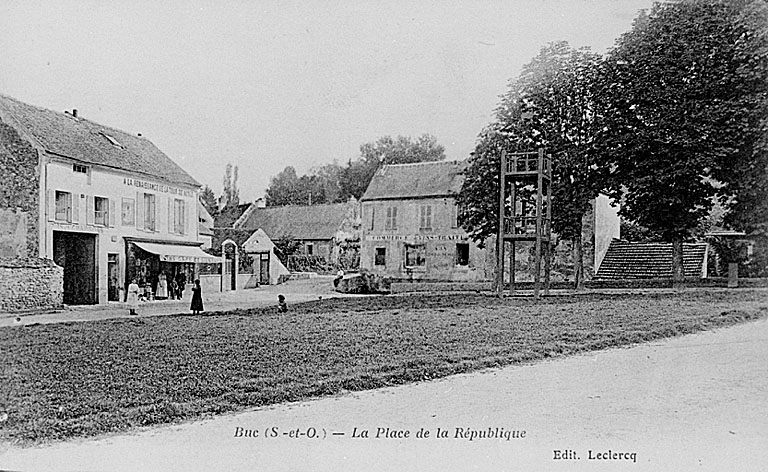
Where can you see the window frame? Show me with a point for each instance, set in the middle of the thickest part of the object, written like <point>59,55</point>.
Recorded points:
<point>150,217</point>
<point>425,217</point>
<point>420,254</point>
<point>100,217</point>
<point>380,257</point>
<point>391,222</point>
<point>458,260</point>
<point>67,206</point>
<point>179,216</point>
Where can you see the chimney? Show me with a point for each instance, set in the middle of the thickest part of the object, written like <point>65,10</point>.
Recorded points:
<point>261,203</point>
<point>74,112</point>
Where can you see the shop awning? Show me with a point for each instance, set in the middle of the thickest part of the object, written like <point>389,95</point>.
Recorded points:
<point>178,253</point>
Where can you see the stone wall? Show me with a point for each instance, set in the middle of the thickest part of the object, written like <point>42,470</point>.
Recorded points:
<point>30,284</point>
<point>19,198</point>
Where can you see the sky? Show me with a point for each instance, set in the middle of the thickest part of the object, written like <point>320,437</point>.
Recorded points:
<point>267,84</point>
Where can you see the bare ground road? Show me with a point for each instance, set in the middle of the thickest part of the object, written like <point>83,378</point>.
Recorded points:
<point>698,403</point>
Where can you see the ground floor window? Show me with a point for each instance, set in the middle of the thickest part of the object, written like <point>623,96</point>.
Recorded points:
<point>462,254</point>
<point>381,257</point>
<point>415,255</point>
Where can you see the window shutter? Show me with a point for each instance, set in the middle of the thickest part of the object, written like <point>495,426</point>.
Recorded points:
<point>51,205</point>
<point>139,210</point>
<point>171,228</point>
<point>75,208</point>
<point>89,209</point>
<point>112,215</point>
<point>394,217</point>
<point>189,217</point>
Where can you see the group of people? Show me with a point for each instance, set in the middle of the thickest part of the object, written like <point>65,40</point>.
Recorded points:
<point>175,291</point>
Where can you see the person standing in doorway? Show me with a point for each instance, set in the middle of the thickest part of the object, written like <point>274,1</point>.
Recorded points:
<point>133,296</point>
<point>197,298</point>
<point>181,281</point>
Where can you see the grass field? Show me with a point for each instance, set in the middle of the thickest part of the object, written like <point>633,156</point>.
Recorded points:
<point>60,381</point>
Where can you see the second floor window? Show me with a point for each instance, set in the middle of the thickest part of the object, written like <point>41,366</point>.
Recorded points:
<point>63,206</point>
<point>391,222</point>
<point>425,220</point>
<point>179,225</point>
<point>149,212</point>
<point>100,211</point>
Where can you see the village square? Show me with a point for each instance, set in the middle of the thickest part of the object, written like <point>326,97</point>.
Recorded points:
<point>414,303</point>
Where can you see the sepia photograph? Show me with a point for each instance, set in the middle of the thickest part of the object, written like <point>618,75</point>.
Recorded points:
<point>383,235</point>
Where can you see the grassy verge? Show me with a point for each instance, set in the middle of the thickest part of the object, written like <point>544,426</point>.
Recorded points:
<point>81,379</point>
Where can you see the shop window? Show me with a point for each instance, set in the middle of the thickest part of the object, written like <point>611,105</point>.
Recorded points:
<point>391,222</point>
<point>425,221</point>
<point>381,257</point>
<point>149,212</point>
<point>63,206</point>
<point>462,254</point>
<point>415,255</point>
<point>129,212</point>
<point>179,225</point>
<point>100,211</point>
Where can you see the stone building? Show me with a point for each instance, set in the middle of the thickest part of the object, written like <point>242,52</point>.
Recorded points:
<point>410,230</point>
<point>410,227</point>
<point>104,205</point>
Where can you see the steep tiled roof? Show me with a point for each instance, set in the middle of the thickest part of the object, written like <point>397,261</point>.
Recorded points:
<point>298,222</point>
<point>91,143</point>
<point>627,260</point>
<point>422,180</point>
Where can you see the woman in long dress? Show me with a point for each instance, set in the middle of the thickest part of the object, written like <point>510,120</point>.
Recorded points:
<point>132,299</point>
<point>197,298</point>
<point>162,287</point>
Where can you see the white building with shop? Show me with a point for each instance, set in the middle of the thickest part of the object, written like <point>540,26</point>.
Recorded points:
<point>112,206</point>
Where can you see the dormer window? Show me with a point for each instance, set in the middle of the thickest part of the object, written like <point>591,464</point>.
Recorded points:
<point>112,140</point>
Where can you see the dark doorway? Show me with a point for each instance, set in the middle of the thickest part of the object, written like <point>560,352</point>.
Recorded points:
<point>229,275</point>
<point>264,268</point>
<point>113,277</point>
<point>76,253</point>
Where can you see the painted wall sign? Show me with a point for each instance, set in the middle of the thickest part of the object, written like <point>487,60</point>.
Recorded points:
<point>417,237</point>
<point>157,187</point>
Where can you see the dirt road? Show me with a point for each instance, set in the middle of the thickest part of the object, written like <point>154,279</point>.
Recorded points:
<point>698,402</point>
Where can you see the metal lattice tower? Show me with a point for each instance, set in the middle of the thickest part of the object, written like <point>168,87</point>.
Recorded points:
<point>527,220</point>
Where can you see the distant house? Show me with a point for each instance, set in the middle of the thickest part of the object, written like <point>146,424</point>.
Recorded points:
<point>248,257</point>
<point>105,205</point>
<point>324,232</point>
<point>410,225</point>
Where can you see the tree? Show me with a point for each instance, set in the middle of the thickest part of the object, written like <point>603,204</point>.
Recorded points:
<point>320,185</point>
<point>386,150</point>
<point>231,191</point>
<point>680,110</point>
<point>283,188</point>
<point>550,105</point>
<point>208,199</point>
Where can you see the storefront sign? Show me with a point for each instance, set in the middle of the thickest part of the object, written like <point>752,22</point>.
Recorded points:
<point>417,237</point>
<point>157,187</point>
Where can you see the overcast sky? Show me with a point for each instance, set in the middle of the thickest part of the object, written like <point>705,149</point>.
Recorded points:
<point>266,84</point>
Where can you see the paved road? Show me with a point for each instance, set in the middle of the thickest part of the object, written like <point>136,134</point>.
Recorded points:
<point>698,402</point>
